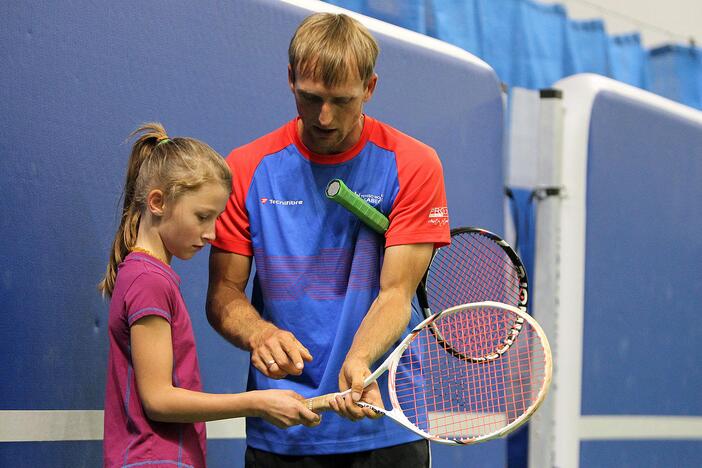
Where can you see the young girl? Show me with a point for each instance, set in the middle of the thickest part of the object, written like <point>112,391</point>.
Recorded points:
<point>174,191</point>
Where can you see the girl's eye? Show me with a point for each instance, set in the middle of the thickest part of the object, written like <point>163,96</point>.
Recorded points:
<point>202,217</point>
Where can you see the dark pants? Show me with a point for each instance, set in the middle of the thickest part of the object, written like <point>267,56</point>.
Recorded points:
<point>411,455</point>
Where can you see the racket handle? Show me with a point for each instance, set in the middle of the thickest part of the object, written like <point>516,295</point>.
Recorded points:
<point>320,403</point>
<point>341,194</point>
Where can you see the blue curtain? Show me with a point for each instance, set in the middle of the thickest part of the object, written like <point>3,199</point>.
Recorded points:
<point>676,73</point>
<point>407,14</point>
<point>629,61</point>
<point>532,44</point>
<point>456,22</point>
<point>498,37</point>
<point>523,211</point>
<point>539,52</point>
<point>588,48</point>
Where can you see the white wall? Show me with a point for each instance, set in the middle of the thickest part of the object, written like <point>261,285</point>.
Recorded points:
<point>658,21</point>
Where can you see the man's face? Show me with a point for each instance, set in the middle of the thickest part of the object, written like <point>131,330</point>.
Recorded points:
<point>330,116</point>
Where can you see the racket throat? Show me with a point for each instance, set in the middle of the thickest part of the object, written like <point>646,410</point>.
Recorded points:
<point>375,409</point>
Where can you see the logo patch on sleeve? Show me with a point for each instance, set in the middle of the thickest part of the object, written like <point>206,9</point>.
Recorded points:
<point>438,216</point>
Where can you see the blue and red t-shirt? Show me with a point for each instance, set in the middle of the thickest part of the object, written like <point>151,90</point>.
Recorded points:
<point>318,267</point>
<point>146,286</point>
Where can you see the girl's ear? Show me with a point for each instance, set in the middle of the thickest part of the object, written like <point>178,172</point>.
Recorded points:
<point>156,202</point>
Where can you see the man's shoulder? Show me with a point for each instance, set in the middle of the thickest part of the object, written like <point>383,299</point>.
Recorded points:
<point>265,145</point>
<point>388,137</point>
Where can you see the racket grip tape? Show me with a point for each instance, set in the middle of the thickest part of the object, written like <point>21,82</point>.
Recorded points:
<point>341,194</point>
<point>320,403</point>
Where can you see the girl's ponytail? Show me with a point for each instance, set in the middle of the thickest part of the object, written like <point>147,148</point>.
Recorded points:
<point>150,135</point>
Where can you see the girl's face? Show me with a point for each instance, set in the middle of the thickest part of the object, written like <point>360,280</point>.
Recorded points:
<point>188,223</point>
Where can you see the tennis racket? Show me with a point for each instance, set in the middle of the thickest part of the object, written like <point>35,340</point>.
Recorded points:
<point>477,266</point>
<point>460,401</point>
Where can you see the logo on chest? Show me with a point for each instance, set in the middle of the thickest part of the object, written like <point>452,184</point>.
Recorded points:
<point>273,201</point>
<point>372,199</point>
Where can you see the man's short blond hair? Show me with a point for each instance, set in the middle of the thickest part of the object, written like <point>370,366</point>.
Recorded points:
<point>332,48</point>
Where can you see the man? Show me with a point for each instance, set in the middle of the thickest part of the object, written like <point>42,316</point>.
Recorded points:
<point>330,295</point>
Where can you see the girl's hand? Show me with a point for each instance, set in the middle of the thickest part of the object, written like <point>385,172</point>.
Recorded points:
<point>283,408</point>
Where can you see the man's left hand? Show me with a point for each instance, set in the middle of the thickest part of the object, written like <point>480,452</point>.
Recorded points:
<point>353,373</point>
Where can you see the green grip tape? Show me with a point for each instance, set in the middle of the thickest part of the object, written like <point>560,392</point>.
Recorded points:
<point>340,193</point>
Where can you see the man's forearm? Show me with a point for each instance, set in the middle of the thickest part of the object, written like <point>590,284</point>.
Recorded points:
<point>389,314</point>
<point>383,325</point>
<point>232,315</point>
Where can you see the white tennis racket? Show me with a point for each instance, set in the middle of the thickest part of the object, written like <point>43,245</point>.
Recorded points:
<point>460,401</point>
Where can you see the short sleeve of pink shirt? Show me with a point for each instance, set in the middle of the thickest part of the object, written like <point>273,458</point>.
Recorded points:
<point>148,295</point>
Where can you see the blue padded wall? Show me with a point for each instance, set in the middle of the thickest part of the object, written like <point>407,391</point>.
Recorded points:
<point>78,77</point>
<point>642,274</point>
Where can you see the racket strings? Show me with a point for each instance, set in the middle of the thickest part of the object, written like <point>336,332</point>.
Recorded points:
<point>473,268</point>
<point>461,400</point>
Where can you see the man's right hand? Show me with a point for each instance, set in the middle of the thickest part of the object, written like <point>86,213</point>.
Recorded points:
<point>276,353</point>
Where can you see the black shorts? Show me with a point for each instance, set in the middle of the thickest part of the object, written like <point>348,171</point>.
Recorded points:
<point>411,455</point>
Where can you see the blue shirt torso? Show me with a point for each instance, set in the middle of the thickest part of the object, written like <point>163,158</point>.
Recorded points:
<point>317,273</point>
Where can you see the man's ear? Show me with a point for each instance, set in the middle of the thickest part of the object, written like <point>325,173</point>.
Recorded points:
<point>291,79</point>
<point>370,87</point>
<point>156,202</point>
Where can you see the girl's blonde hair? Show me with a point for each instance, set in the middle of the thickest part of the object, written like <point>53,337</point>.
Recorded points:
<point>174,165</point>
<point>331,48</point>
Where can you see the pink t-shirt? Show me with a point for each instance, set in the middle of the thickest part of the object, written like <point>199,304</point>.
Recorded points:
<point>146,286</point>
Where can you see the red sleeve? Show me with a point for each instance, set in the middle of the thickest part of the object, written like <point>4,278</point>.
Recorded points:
<point>148,295</point>
<point>419,213</point>
<point>233,229</point>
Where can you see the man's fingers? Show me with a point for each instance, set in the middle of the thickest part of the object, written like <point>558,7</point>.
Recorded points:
<point>288,353</point>
<point>259,364</point>
<point>275,358</point>
<point>266,368</point>
<point>304,352</point>
<point>294,354</point>
<point>279,355</point>
<point>370,413</point>
<point>357,387</point>
<point>353,411</point>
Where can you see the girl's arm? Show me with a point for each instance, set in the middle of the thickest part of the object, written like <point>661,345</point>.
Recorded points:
<point>152,355</point>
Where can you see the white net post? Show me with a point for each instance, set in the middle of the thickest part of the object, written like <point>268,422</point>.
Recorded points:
<point>543,427</point>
